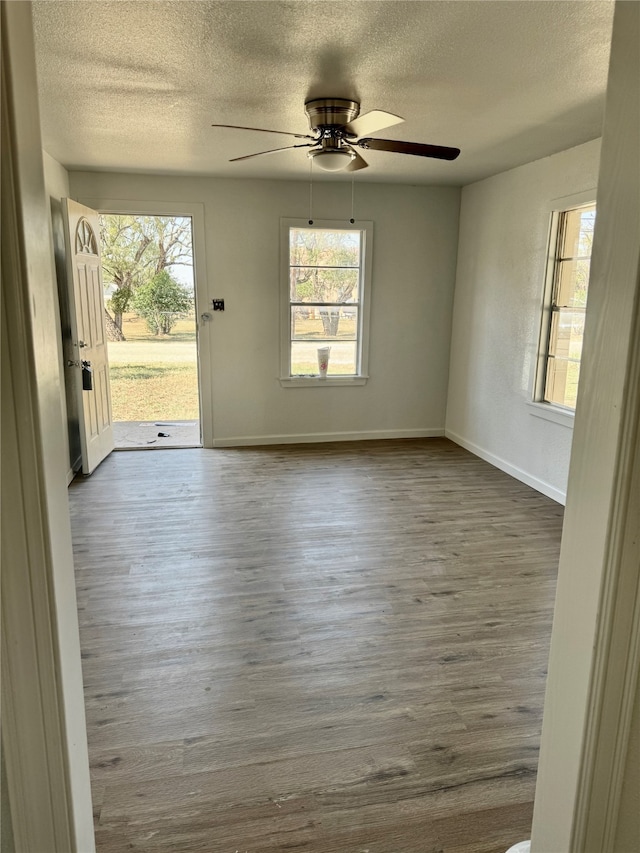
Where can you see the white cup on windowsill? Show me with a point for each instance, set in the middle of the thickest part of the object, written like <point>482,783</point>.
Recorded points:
<point>323,361</point>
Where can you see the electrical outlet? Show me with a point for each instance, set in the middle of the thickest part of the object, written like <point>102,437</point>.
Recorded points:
<point>217,304</point>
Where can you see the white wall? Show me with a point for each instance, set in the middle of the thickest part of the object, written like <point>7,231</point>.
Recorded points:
<point>56,177</point>
<point>504,230</point>
<point>415,244</point>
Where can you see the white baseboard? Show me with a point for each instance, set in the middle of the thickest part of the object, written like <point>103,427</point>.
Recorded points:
<point>322,437</point>
<point>512,470</point>
<point>74,470</point>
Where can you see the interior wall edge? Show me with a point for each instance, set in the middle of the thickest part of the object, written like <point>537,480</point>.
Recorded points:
<point>513,471</point>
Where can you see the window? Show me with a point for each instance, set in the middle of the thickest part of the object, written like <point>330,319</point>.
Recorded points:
<point>325,302</point>
<point>564,314</point>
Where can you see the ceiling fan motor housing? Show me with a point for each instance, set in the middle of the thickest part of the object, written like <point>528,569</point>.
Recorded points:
<point>331,112</point>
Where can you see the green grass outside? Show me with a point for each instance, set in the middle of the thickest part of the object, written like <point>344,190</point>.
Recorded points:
<point>168,390</point>
<point>151,392</point>
<point>157,390</point>
<point>311,329</point>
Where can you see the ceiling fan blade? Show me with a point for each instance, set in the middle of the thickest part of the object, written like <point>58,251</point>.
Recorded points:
<point>270,151</point>
<point>372,122</point>
<point>440,152</point>
<point>264,130</point>
<point>356,164</point>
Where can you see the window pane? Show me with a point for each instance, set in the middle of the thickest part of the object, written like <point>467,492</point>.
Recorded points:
<point>568,301</point>
<point>342,358</point>
<point>567,330</point>
<point>573,282</point>
<point>324,322</point>
<point>310,284</point>
<point>561,386</point>
<point>578,232</point>
<point>319,247</point>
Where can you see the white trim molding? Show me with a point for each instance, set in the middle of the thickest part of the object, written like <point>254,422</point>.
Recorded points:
<point>557,206</point>
<point>320,437</point>
<point>364,302</point>
<point>322,382</point>
<point>617,653</point>
<point>548,412</point>
<point>43,720</point>
<point>595,645</point>
<point>512,470</point>
<point>578,199</point>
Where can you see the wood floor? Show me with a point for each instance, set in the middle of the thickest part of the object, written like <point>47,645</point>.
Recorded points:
<point>324,649</point>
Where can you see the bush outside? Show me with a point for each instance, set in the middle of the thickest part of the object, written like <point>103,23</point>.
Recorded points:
<point>161,301</point>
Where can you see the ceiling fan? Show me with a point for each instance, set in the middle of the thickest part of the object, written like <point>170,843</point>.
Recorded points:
<point>339,129</point>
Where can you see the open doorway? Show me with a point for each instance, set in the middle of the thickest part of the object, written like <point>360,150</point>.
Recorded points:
<point>150,317</point>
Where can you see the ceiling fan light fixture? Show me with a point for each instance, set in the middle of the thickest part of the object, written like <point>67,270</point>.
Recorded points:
<point>333,159</point>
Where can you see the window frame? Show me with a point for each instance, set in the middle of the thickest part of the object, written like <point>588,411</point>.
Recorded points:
<point>539,406</point>
<point>366,254</point>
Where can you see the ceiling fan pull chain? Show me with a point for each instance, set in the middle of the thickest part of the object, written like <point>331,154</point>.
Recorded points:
<point>353,195</point>
<point>310,192</point>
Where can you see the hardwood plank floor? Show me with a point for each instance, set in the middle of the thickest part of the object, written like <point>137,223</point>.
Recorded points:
<point>336,648</point>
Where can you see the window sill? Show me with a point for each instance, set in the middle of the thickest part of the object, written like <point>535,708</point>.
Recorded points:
<point>319,382</point>
<point>552,413</point>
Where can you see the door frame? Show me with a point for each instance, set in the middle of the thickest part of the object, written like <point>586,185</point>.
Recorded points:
<point>595,640</point>
<point>47,797</point>
<point>201,291</point>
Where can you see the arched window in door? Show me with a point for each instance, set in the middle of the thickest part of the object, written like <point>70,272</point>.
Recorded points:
<point>85,238</point>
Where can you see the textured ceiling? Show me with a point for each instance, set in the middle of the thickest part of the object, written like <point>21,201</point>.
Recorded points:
<point>135,86</point>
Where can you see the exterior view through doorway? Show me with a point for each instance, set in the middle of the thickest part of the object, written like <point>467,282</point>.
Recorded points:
<point>150,316</point>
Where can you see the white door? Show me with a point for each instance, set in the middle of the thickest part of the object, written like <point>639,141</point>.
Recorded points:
<point>91,365</point>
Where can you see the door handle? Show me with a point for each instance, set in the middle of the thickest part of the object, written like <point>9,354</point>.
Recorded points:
<point>81,344</point>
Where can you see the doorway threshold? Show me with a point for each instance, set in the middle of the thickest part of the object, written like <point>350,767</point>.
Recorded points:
<point>156,435</point>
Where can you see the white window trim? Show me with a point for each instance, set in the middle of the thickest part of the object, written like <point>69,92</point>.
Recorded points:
<point>286,380</point>
<point>549,412</point>
<point>538,406</point>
